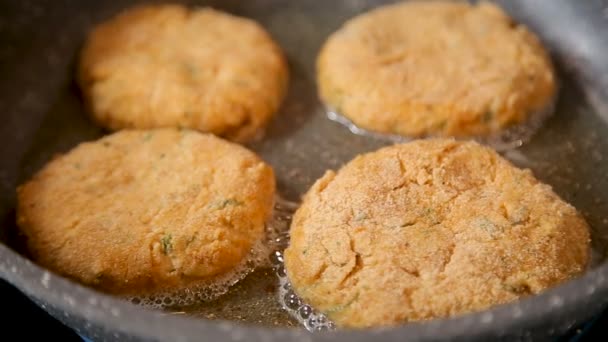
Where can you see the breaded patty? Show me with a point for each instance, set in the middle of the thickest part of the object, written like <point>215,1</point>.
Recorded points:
<point>170,66</point>
<point>429,229</point>
<point>436,68</point>
<point>147,211</point>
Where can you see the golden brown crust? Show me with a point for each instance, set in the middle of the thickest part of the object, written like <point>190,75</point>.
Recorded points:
<point>429,229</point>
<point>145,211</point>
<point>435,68</point>
<point>169,66</point>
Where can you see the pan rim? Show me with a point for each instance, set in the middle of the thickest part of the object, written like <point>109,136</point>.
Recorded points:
<point>108,311</point>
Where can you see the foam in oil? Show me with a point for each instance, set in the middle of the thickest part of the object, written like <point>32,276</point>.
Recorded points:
<point>274,235</point>
<point>311,319</point>
<point>308,317</point>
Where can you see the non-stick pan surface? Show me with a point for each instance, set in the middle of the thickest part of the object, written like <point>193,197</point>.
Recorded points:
<point>42,114</point>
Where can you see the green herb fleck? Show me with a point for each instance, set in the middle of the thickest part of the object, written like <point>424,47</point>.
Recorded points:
<point>166,244</point>
<point>441,125</point>
<point>147,136</point>
<point>305,251</point>
<point>99,277</point>
<point>226,203</point>
<point>490,227</point>
<point>360,216</point>
<point>431,215</point>
<point>77,166</point>
<point>488,116</point>
<point>520,215</point>
<point>519,288</point>
<point>190,69</point>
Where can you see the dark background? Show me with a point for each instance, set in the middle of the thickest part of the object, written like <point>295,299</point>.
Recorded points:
<point>19,312</point>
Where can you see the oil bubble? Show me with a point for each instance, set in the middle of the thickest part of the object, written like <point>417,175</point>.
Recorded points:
<point>261,254</point>
<point>312,320</point>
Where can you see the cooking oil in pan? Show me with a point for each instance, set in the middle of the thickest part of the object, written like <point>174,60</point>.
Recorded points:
<point>275,234</point>
<point>299,310</point>
<point>250,294</point>
<point>208,291</point>
<point>264,296</point>
<point>507,139</point>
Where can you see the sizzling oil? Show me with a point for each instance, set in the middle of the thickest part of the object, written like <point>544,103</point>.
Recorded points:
<point>255,298</point>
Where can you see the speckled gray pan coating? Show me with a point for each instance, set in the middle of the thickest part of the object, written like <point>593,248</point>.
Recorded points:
<point>43,115</point>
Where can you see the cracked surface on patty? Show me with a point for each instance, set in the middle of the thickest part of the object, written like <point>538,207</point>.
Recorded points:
<point>441,68</point>
<point>429,229</point>
<point>170,66</point>
<point>140,212</point>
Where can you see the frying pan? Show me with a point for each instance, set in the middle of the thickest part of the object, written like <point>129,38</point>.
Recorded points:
<point>43,114</point>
